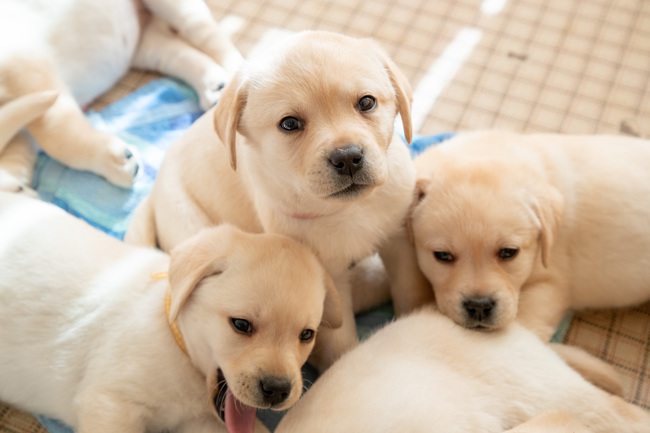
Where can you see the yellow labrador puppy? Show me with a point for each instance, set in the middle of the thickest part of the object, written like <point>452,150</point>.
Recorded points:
<point>529,226</point>
<point>424,373</point>
<point>80,48</point>
<point>304,146</point>
<point>88,336</point>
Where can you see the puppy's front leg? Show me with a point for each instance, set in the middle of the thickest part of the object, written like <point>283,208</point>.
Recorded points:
<point>369,283</point>
<point>65,135</point>
<point>332,343</point>
<point>409,287</point>
<point>63,132</point>
<point>541,307</point>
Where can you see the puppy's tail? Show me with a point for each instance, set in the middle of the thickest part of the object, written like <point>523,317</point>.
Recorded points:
<point>142,228</point>
<point>593,369</point>
<point>19,112</point>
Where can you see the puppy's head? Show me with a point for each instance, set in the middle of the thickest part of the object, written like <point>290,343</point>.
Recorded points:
<point>479,226</point>
<point>313,117</point>
<point>248,307</point>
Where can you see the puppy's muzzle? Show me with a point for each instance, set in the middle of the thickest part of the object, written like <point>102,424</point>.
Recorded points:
<point>275,390</point>
<point>351,174</point>
<point>347,160</point>
<point>480,311</point>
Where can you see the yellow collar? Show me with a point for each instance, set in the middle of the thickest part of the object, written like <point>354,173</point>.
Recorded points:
<point>173,326</point>
<point>176,332</point>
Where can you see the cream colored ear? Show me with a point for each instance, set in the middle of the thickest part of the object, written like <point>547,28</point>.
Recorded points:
<point>402,88</point>
<point>332,314</point>
<point>227,114</point>
<point>418,196</point>
<point>549,208</point>
<point>201,256</point>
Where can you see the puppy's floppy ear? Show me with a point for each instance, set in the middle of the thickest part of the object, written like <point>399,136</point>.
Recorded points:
<point>194,260</point>
<point>402,89</point>
<point>227,114</point>
<point>418,195</point>
<point>332,315</point>
<point>548,206</point>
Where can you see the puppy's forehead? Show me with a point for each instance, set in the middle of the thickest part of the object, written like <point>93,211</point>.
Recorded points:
<point>276,260</point>
<point>321,63</point>
<point>271,278</point>
<point>473,204</point>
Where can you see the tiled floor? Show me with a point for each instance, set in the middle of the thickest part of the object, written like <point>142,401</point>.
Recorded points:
<point>569,66</point>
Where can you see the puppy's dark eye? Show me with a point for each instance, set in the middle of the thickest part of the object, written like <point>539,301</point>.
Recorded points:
<point>508,253</point>
<point>290,124</point>
<point>307,335</point>
<point>242,326</point>
<point>444,256</point>
<point>367,103</point>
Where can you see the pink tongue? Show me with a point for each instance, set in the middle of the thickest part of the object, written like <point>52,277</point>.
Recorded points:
<point>239,417</point>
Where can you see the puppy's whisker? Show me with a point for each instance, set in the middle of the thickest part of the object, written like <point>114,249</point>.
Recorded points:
<point>306,384</point>
<point>219,391</point>
<point>216,388</point>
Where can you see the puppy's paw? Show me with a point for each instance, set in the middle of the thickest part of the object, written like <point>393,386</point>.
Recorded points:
<point>232,62</point>
<point>122,163</point>
<point>9,183</point>
<point>214,80</point>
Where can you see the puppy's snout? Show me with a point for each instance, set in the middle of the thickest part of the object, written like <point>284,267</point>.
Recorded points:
<point>347,160</point>
<point>275,390</point>
<point>479,308</point>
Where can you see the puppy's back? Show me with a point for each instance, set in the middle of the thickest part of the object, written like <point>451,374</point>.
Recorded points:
<point>62,285</point>
<point>424,373</point>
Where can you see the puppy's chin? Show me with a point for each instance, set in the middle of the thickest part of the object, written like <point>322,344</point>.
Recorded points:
<point>479,326</point>
<point>347,189</point>
<point>321,202</point>
<point>352,192</point>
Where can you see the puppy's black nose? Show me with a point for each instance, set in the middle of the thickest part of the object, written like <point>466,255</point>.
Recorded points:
<point>479,308</point>
<point>275,390</point>
<point>347,160</point>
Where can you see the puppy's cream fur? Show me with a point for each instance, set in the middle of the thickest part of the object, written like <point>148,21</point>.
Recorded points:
<point>80,48</point>
<point>256,175</point>
<point>84,336</point>
<point>18,152</point>
<point>552,422</point>
<point>424,373</point>
<point>573,209</point>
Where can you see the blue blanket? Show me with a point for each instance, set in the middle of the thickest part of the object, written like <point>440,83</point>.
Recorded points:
<point>150,119</point>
